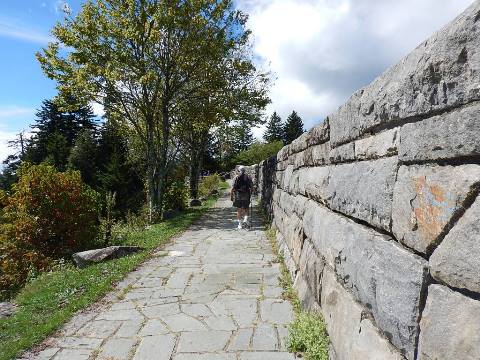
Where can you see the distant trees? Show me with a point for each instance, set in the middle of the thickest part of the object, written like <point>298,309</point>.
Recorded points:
<point>275,129</point>
<point>293,127</point>
<point>258,152</point>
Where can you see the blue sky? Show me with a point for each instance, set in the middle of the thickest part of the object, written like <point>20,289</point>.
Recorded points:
<point>24,29</point>
<point>320,51</point>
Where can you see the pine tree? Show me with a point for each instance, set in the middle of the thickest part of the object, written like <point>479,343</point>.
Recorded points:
<point>274,131</point>
<point>55,132</point>
<point>83,157</point>
<point>293,127</point>
<point>117,173</point>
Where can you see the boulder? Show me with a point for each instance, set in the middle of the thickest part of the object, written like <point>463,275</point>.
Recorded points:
<point>85,258</point>
<point>170,214</point>
<point>195,202</point>
<point>7,309</point>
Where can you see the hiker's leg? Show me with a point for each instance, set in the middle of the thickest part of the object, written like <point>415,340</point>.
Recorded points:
<point>239,217</point>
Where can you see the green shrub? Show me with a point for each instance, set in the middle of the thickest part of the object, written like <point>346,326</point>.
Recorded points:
<point>49,215</point>
<point>176,196</point>
<point>208,184</point>
<point>308,336</point>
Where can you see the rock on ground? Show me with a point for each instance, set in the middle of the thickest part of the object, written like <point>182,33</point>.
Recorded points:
<point>85,258</point>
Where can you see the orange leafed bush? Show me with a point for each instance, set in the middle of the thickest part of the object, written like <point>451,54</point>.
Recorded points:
<point>49,215</point>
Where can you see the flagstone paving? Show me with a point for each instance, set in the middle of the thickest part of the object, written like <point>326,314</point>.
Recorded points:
<point>212,294</point>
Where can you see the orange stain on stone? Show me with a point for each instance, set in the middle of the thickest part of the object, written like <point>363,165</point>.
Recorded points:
<point>430,209</point>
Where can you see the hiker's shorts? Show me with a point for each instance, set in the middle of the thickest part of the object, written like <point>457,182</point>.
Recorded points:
<point>242,200</point>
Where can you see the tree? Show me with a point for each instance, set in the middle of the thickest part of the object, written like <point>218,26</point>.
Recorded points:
<point>83,157</point>
<point>233,138</point>
<point>148,58</point>
<point>258,152</point>
<point>119,171</point>
<point>293,127</point>
<point>274,130</point>
<point>55,132</point>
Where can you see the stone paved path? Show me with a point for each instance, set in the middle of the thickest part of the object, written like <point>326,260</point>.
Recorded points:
<point>215,295</point>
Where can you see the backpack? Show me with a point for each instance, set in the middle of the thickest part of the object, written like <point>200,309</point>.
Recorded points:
<point>242,183</point>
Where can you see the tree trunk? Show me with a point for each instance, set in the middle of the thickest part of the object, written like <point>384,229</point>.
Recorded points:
<point>152,174</point>
<point>196,162</point>
<point>194,174</point>
<point>163,160</point>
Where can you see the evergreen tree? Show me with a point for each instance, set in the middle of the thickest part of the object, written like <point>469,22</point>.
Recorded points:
<point>83,157</point>
<point>55,132</point>
<point>274,130</point>
<point>117,172</point>
<point>293,127</point>
<point>245,137</point>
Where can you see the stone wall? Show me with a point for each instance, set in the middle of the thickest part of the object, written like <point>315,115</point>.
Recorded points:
<point>377,209</point>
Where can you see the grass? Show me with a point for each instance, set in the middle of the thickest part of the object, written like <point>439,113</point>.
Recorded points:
<point>54,297</point>
<point>307,333</point>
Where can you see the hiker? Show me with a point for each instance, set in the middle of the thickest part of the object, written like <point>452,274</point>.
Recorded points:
<point>240,195</point>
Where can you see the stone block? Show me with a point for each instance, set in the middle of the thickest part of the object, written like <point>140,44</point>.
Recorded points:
<point>320,155</point>
<point>383,276</point>
<point>439,74</point>
<point>313,182</point>
<point>300,202</point>
<point>299,160</point>
<point>293,235</point>
<point>450,326</point>
<point>380,145</point>
<point>448,136</point>
<point>319,133</point>
<point>456,261</point>
<point>342,153</point>
<point>427,198</point>
<point>282,155</point>
<point>308,300</point>
<point>364,190</point>
<point>311,268</point>
<point>285,178</point>
<point>352,335</point>
<point>299,144</point>
<point>287,202</point>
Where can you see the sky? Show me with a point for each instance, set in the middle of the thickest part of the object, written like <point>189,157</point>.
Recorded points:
<point>320,51</point>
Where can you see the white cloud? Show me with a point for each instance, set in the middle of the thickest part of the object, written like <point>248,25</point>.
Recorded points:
<point>12,29</point>
<point>7,112</point>
<point>323,50</point>
<point>10,117</point>
<point>5,150</point>
<point>98,109</point>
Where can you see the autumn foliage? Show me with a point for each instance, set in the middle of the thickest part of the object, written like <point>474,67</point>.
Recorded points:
<point>49,215</point>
